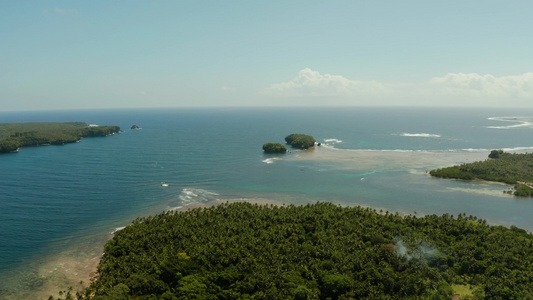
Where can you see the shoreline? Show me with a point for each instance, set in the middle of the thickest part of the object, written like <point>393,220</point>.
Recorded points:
<point>57,271</point>
<point>77,265</point>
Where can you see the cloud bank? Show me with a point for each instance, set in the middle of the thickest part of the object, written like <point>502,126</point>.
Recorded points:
<point>476,85</point>
<point>311,83</point>
<point>452,89</point>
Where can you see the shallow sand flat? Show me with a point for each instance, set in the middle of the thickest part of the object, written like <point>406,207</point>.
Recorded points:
<point>389,159</point>
<point>66,271</point>
<point>76,265</point>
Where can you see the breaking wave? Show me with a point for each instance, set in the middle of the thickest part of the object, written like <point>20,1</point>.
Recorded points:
<point>189,196</point>
<point>427,135</point>
<point>522,122</point>
<point>335,141</point>
<point>270,160</point>
<point>118,229</point>
<point>330,143</point>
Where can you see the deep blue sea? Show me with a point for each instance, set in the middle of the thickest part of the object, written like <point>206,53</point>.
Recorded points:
<point>59,204</point>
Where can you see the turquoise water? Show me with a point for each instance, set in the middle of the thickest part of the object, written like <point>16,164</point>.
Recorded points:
<point>58,202</point>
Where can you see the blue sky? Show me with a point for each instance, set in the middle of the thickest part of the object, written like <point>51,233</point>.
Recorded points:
<point>126,54</point>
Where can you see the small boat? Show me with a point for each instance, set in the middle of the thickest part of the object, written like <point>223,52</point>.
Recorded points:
<point>164,184</point>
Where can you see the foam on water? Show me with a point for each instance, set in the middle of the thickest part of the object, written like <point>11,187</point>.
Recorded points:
<point>426,135</point>
<point>271,160</point>
<point>470,150</point>
<point>511,150</point>
<point>190,196</point>
<point>335,141</point>
<point>117,229</point>
<point>518,149</point>
<point>522,122</point>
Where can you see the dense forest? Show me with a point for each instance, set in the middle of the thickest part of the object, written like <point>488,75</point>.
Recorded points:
<point>17,135</point>
<point>274,148</point>
<point>316,251</point>
<point>300,141</point>
<point>510,168</point>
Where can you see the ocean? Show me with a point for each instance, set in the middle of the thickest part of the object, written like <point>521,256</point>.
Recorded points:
<point>59,204</point>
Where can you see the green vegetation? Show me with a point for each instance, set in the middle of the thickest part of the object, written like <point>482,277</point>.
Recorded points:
<point>274,148</point>
<point>17,135</point>
<point>523,190</point>
<point>300,141</point>
<point>495,153</point>
<point>510,168</point>
<point>318,251</point>
<point>463,290</point>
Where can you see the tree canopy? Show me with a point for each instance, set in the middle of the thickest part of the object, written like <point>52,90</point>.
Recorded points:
<point>316,251</point>
<point>17,135</point>
<point>495,153</point>
<point>274,148</point>
<point>510,168</point>
<point>300,141</point>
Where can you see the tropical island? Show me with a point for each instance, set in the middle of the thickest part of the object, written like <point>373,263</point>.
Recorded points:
<point>296,140</point>
<point>300,141</point>
<point>274,148</point>
<point>317,251</point>
<point>14,136</point>
<point>509,168</point>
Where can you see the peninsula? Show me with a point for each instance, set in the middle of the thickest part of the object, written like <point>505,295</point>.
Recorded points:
<point>509,168</point>
<point>317,251</point>
<point>14,136</point>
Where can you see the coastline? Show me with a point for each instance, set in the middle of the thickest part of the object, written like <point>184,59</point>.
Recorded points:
<point>79,262</point>
<point>77,265</point>
<point>46,276</point>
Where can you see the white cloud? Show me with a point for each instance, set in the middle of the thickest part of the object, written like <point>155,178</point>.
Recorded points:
<point>453,89</point>
<point>476,85</point>
<point>311,83</point>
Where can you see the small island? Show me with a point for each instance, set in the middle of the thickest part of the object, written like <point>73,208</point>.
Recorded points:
<point>14,136</point>
<point>300,141</point>
<point>134,127</point>
<point>274,148</point>
<point>509,168</point>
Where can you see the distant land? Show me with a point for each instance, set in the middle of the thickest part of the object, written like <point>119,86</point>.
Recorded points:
<point>510,168</point>
<point>14,136</point>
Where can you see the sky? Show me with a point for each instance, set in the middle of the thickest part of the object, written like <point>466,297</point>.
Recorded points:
<point>132,54</point>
